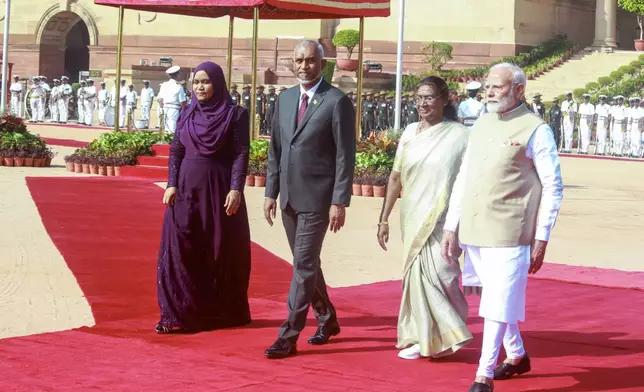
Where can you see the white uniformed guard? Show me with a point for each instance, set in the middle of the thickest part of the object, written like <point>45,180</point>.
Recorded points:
<point>34,99</point>
<point>618,115</point>
<point>635,118</point>
<point>131,98</point>
<point>63,103</point>
<point>586,117</point>
<point>569,112</point>
<point>470,109</point>
<point>43,98</point>
<point>53,101</point>
<point>103,103</point>
<point>17,96</point>
<point>80,102</point>
<point>90,102</point>
<point>173,97</point>
<point>603,113</point>
<point>122,101</point>
<point>147,96</point>
<point>159,107</point>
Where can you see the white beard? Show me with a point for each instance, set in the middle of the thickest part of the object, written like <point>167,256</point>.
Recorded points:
<point>499,107</point>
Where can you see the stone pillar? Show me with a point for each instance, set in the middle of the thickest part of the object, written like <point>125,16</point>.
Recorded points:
<point>605,23</point>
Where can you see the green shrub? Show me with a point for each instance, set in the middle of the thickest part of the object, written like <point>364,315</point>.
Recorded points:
<point>604,81</point>
<point>615,76</point>
<point>592,86</point>
<point>437,54</point>
<point>348,39</point>
<point>327,73</point>
<point>578,92</point>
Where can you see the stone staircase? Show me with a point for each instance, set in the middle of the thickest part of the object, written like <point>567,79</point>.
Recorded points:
<point>580,70</point>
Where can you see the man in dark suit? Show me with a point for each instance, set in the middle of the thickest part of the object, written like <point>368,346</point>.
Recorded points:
<point>310,166</point>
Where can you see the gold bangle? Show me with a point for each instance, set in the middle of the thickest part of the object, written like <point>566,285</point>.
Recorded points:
<point>383,224</point>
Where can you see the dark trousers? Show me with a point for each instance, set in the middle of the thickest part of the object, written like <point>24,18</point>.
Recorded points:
<point>305,232</point>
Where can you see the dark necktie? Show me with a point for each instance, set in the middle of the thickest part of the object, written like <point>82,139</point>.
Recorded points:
<point>303,105</point>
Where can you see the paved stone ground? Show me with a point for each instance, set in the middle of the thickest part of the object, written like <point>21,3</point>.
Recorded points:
<point>601,225</point>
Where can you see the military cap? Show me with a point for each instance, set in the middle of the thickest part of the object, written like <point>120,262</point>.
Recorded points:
<point>602,96</point>
<point>64,78</point>
<point>246,86</point>
<point>146,81</point>
<point>473,85</point>
<point>271,87</point>
<point>173,70</point>
<point>535,95</point>
<point>282,88</point>
<point>586,95</point>
<point>234,85</point>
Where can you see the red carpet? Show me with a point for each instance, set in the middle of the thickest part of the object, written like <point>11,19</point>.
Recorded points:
<point>581,338</point>
<point>64,142</point>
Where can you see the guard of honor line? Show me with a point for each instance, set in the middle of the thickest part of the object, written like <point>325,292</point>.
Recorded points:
<point>619,127</point>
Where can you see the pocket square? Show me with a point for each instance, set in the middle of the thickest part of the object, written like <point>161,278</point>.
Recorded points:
<point>510,143</point>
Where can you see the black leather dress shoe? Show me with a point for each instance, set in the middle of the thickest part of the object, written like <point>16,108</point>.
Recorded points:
<point>505,370</point>
<point>480,387</point>
<point>322,335</point>
<point>282,348</point>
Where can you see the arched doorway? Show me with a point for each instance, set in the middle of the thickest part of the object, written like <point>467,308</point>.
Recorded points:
<point>64,46</point>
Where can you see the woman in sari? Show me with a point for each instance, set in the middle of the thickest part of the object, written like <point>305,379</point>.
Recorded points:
<point>433,310</point>
<point>204,259</point>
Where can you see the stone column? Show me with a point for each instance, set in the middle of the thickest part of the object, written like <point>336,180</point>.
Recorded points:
<point>605,23</point>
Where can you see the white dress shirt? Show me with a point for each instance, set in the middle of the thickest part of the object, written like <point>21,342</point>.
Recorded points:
<point>471,107</point>
<point>172,94</point>
<point>310,92</point>
<point>542,149</point>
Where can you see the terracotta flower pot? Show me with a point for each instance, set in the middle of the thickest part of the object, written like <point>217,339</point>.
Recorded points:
<point>110,171</point>
<point>93,169</point>
<point>39,162</point>
<point>357,190</point>
<point>117,171</point>
<point>78,168</point>
<point>29,162</point>
<point>347,64</point>
<point>639,45</point>
<point>379,191</point>
<point>69,166</point>
<point>250,180</point>
<point>367,190</point>
<point>18,162</point>
<point>8,161</point>
<point>102,171</point>
<point>48,162</point>
<point>260,181</point>
<point>85,168</point>
<point>1,161</point>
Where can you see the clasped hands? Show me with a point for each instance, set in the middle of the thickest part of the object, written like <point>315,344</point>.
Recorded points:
<point>337,214</point>
<point>232,203</point>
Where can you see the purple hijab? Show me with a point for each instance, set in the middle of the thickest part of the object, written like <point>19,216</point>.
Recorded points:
<point>207,123</point>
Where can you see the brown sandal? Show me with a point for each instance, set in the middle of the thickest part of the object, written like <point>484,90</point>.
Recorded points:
<point>164,329</point>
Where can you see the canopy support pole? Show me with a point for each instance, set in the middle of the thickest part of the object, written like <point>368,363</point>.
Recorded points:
<point>119,52</point>
<point>5,57</point>
<point>229,65</point>
<point>253,91</point>
<point>399,63</point>
<point>360,72</point>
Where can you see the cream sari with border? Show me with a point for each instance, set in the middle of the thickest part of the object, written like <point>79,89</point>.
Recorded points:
<point>433,309</point>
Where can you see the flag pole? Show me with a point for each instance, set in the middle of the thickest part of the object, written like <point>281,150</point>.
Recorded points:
<point>229,65</point>
<point>253,92</point>
<point>399,62</point>
<point>117,88</point>
<point>5,56</point>
<point>360,72</point>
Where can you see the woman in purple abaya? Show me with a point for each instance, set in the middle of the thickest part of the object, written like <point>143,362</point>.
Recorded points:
<point>204,260</point>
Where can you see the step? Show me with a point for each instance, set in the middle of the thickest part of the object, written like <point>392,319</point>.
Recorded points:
<point>161,150</point>
<point>155,161</point>
<point>148,172</point>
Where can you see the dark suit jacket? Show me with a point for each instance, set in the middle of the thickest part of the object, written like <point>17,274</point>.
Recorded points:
<point>311,166</point>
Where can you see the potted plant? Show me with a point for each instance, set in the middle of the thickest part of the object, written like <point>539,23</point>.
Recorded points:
<point>380,180</point>
<point>260,176</point>
<point>19,158</point>
<point>92,160</point>
<point>250,177</point>
<point>8,157</point>
<point>100,162</point>
<point>49,155</point>
<point>367,182</point>
<point>109,166</point>
<point>636,7</point>
<point>357,183</point>
<point>69,162</point>
<point>347,39</point>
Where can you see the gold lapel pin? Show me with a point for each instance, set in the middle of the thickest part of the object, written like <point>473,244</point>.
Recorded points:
<point>315,102</point>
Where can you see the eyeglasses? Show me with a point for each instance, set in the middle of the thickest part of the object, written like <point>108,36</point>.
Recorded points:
<point>420,99</point>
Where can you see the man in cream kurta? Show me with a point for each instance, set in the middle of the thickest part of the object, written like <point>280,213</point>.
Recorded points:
<point>504,218</point>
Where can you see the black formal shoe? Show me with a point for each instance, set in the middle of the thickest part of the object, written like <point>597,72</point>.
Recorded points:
<point>282,348</point>
<point>322,335</point>
<point>480,387</point>
<point>505,370</point>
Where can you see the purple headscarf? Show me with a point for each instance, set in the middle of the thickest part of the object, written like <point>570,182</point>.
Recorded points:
<point>207,123</point>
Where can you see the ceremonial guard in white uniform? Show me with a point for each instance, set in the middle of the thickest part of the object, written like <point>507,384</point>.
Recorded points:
<point>63,103</point>
<point>80,102</point>
<point>17,97</point>
<point>90,102</point>
<point>35,101</point>
<point>173,97</point>
<point>159,107</point>
<point>470,109</point>
<point>122,101</point>
<point>603,116</point>
<point>43,98</point>
<point>618,125</point>
<point>586,119</point>
<point>537,106</point>
<point>569,111</point>
<point>635,119</point>
<point>53,101</point>
<point>131,98</point>
<point>103,103</point>
<point>147,96</point>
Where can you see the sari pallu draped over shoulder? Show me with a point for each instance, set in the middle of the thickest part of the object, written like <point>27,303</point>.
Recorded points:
<point>433,310</point>
<point>427,192</point>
